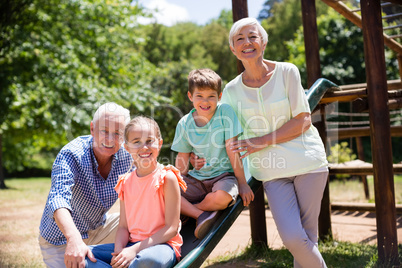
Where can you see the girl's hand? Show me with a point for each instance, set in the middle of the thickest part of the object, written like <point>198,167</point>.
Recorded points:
<point>248,146</point>
<point>246,194</point>
<point>124,258</point>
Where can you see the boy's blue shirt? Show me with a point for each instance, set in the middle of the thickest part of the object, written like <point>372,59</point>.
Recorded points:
<point>208,141</point>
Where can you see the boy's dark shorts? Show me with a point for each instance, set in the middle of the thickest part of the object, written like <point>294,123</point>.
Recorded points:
<point>197,189</point>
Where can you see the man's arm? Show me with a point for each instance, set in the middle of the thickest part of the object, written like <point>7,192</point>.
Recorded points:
<point>76,249</point>
<point>63,174</point>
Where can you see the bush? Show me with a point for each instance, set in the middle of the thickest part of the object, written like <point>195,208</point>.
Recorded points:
<point>341,153</point>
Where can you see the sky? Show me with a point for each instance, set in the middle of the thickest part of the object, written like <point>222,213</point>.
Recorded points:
<point>197,11</point>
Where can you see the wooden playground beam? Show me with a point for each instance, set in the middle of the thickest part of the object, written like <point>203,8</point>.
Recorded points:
<point>257,207</point>
<point>359,170</point>
<point>239,11</point>
<point>380,134</point>
<point>396,2</point>
<point>352,132</point>
<point>352,92</point>
<point>311,45</point>
<point>394,102</point>
<point>356,19</point>
<point>370,207</point>
<point>391,85</point>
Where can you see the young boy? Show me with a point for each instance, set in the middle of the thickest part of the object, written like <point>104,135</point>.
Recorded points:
<point>206,131</point>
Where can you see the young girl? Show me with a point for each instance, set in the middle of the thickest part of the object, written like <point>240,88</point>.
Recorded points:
<point>148,232</point>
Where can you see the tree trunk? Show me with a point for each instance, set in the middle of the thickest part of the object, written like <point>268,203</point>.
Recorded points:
<point>2,183</point>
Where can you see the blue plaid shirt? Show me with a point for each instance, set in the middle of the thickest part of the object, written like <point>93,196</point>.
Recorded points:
<point>78,186</point>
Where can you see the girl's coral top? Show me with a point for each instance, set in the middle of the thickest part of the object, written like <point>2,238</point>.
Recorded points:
<point>145,205</point>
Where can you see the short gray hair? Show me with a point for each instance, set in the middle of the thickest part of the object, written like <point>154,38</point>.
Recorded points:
<point>238,25</point>
<point>112,108</point>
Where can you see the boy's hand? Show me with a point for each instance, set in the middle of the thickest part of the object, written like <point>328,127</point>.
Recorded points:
<point>246,193</point>
<point>196,161</point>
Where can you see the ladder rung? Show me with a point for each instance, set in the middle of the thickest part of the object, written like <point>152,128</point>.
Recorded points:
<point>386,4</point>
<point>392,16</point>
<point>392,27</point>
<point>382,5</point>
<point>395,36</point>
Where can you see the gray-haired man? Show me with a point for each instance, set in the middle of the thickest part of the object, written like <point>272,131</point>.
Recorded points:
<point>83,178</point>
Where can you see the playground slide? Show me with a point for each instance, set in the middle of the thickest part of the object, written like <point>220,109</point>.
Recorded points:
<point>194,251</point>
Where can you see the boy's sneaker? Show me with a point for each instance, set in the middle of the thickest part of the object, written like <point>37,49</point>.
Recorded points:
<point>204,223</point>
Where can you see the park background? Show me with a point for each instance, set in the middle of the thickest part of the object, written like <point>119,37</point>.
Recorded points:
<point>59,60</point>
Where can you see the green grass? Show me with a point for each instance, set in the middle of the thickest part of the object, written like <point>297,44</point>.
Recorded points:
<point>353,191</point>
<point>336,255</point>
<point>21,207</point>
<point>26,189</point>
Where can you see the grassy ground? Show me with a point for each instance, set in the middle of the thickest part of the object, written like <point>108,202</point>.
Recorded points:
<point>336,255</point>
<point>22,204</point>
<point>21,207</point>
<point>352,190</point>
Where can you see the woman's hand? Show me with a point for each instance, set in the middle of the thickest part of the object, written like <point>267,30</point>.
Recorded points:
<point>248,146</point>
<point>289,131</point>
<point>125,257</point>
<point>246,194</point>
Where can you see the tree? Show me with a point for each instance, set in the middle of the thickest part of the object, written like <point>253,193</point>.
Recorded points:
<point>282,26</point>
<point>341,51</point>
<point>266,11</point>
<point>214,39</point>
<point>225,19</point>
<point>58,61</point>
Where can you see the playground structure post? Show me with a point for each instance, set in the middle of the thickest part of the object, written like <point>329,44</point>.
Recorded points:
<point>257,207</point>
<point>380,131</point>
<point>313,73</point>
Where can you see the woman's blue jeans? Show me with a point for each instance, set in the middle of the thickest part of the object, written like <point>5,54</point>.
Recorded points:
<point>158,256</point>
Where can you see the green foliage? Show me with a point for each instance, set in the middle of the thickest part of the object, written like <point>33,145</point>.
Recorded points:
<point>225,19</point>
<point>341,51</point>
<point>267,9</point>
<point>61,59</point>
<point>283,25</point>
<point>214,39</point>
<point>341,153</point>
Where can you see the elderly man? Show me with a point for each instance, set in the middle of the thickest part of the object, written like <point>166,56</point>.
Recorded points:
<point>83,178</point>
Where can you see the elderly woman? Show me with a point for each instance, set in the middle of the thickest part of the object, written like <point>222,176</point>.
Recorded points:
<point>283,148</point>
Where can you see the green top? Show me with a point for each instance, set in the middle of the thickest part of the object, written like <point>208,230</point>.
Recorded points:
<point>208,141</point>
